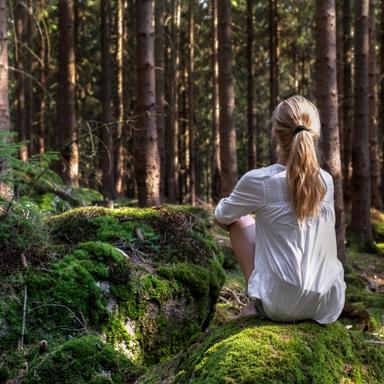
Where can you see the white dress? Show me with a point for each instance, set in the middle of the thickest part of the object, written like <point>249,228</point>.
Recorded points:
<point>297,274</point>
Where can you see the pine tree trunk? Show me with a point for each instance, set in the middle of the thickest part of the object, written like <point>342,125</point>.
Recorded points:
<point>347,103</point>
<point>107,145</point>
<point>228,155</point>
<point>273,63</point>
<point>43,77</point>
<point>361,183</point>
<point>191,106</point>
<point>66,93</point>
<point>381,87</point>
<point>160,86</point>
<point>376,200</point>
<point>326,92</point>
<point>172,167</point>
<point>21,123</point>
<point>250,84</point>
<point>30,64</point>
<point>216,165</point>
<point>5,189</point>
<point>121,125</point>
<point>147,168</point>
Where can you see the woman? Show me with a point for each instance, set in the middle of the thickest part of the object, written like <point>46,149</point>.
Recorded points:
<point>288,255</point>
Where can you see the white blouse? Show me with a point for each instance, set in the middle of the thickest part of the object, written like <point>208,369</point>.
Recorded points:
<point>297,274</point>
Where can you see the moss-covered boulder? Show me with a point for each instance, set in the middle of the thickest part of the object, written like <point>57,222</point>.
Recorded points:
<point>255,351</point>
<point>143,281</point>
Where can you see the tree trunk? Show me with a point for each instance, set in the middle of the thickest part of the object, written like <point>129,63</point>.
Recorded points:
<point>326,92</point>
<point>43,77</point>
<point>191,106</point>
<point>361,183</point>
<point>347,103</point>
<point>5,189</point>
<point>30,64</point>
<point>373,129</point>
<point>21,123</point>
<point>66,93</point>
<point>216,165</point>
<point>381,96</point>
<point>228,155</point>
<point>121,125</point>
<point>273,63</point>
<point>160,86</point>
<point>173,131</point>
<point>107,145</point>
<point>250,84</point>
<point>147,167</point>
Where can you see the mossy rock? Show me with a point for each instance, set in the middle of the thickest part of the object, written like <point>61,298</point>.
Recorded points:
<point>255,351</point>
<point>84,360</point>
<point>145,280</point>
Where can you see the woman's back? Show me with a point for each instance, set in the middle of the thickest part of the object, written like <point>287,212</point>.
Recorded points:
<point>297,274</point>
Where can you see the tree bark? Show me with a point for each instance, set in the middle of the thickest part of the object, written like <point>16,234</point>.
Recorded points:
<point>121,125</point>
<point>66,93</point>
<point>216,164</point>
<point>160,86</point>
<point>347,103</point>
<point>326,94</point>
<point>43,80</point>
<point>250,84</point>
<point>172,166</point>
<point>273,63</point>
<point>381,88</point>
<point>107,144</point>
<point>191,106</point>
<point>5,189</point>
<point>228,155</point>
<point>376,200</point>
<point>147,167</point>
<point>21,122</point>
<point>361,183</point>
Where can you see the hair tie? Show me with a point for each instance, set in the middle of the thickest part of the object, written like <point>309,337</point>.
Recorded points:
<point>301,128</point>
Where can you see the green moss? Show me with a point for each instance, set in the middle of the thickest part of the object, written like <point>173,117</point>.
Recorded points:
<point>83,360</point>
<point>253,351</point>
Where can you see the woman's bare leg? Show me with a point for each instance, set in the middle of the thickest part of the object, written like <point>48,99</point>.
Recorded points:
<point>242,235</point>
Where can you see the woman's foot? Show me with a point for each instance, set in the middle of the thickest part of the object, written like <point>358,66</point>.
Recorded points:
<point>248,310</point>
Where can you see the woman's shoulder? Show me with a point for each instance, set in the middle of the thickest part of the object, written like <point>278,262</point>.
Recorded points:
<point>265,172</point>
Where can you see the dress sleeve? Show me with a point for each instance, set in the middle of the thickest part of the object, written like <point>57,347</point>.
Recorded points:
<point>248,196</point>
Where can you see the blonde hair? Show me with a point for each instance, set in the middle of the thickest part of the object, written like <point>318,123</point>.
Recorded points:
<point>301,152</point>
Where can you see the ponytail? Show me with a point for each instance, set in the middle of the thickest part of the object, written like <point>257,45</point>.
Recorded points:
<point>296,124</point>
<point>303,176</point>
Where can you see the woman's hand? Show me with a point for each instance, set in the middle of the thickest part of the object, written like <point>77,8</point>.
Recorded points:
<point>221,225</point>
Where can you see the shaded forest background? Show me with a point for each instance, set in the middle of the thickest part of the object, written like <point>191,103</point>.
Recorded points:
<point>170,101</point>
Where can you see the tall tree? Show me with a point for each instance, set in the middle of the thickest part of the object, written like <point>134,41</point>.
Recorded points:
<point>251,122</point>
<point>121,126</point>
<point>273,62</point>
<point>216,164</point>
<point>172,179</point>
<point>5,189</point>
<point>191,106</point>
<point>66,95</point>
<point>20,78</point>
<point>326,92</point>
<point>347,101</point>
<point>147,168</point>
<point>160,86</point>
<point>107,143</point>
<point>228,155</point>
<point>361,183</point>
<point>43,80</point>
<point>376,200</point>
<point>381,89</point>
